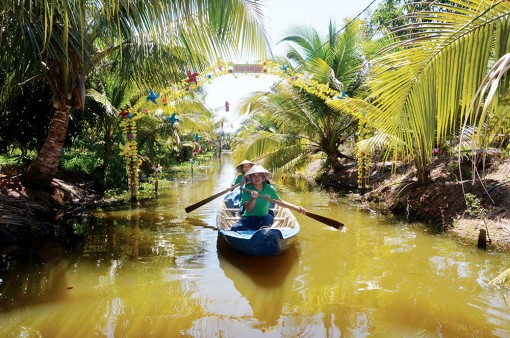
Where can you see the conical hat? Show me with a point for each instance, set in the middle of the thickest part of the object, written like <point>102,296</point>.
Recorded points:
<point>258,169</point>
<point>240,165</point>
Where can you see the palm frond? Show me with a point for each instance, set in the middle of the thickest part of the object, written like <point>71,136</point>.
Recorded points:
<point>427,85</point>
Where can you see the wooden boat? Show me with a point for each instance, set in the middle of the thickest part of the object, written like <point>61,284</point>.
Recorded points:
<point>270,241</point>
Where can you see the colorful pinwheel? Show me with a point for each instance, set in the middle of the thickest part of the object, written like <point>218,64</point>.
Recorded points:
<point>124,113</point>
<point>307,77</point>
<point>152,97</point>
<point>192,77</point>
<point>172,119</point>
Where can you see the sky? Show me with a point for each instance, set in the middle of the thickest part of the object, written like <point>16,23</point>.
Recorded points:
<point>280,16</point>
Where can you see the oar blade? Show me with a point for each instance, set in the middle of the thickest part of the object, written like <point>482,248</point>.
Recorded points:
<point>328,221</point>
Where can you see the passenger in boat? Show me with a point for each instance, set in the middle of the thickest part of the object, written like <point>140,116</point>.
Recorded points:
<point>257,213</point>
<point>233,199</point>
<point>242,168</point>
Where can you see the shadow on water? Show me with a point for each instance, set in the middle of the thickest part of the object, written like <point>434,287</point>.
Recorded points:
<point>264,281</point>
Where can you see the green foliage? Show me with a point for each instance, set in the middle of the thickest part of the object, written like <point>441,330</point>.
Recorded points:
<point>17,157</point>
<point>88,161</point>
<point>146,190</point>
<point>474,206</point>
<point>80,161</point>
<point>288,125</point>
<point>64,43</point>
<point>393,14</point>
<point>424,84</point>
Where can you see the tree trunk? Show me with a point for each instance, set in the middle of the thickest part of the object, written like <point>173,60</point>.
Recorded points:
<point>44,167</point>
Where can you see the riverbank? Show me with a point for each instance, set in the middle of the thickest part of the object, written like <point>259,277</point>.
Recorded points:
<point>446,203</point>
<point>27,215</point>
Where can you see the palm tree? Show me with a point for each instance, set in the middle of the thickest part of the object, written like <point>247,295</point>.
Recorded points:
<point>290,126</point>
<point>193,118</point>
<point>152,42</point>
<point>300,124</point>
<point>422,88</point>
<point>337,61</point>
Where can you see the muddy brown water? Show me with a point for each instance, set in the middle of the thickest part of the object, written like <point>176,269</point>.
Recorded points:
<point>154,271</point>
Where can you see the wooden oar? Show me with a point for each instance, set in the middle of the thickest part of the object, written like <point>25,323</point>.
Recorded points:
<point>328,221</point>
<point>209,199</point>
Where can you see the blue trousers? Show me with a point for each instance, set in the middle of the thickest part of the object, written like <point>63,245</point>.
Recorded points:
<point>253,222</point>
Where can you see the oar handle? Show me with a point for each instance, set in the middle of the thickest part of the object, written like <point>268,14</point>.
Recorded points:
<point>209,199</point>
<point>328,221</point>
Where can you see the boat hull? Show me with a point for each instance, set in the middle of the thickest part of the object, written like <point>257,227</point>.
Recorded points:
<point>263,242</point>
<point>271,241</point>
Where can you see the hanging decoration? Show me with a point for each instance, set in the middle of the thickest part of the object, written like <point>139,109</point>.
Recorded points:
<point>124,114</point>
<point>130,151</point>
<point>194,80</point>
<point>192,77</point>
<point>172,119</point>
<point>152,97</point>
<point>306,78</point>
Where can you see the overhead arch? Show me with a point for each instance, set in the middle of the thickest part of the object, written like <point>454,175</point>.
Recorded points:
<point>160,103</point>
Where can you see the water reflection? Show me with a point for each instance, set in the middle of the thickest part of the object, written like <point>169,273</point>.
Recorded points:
<point>153,270</point>
<point>40,278</point>
<point>264,281</point>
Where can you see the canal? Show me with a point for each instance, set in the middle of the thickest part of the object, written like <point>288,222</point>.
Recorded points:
<point>152,270</point>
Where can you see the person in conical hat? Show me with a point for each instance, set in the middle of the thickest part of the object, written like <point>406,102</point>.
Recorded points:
<point>242,168</point>
<point>257,210</point>
<point>234,197</point>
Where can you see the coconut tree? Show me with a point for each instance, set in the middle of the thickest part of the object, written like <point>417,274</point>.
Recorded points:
<point>193,117</point>
<point>422,88</point>
<point>336,60</point>
<point>290,126</point>
<point>293,124</point>
<point>64,41</point>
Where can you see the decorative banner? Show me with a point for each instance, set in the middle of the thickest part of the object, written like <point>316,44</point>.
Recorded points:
<point>247,68</point>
